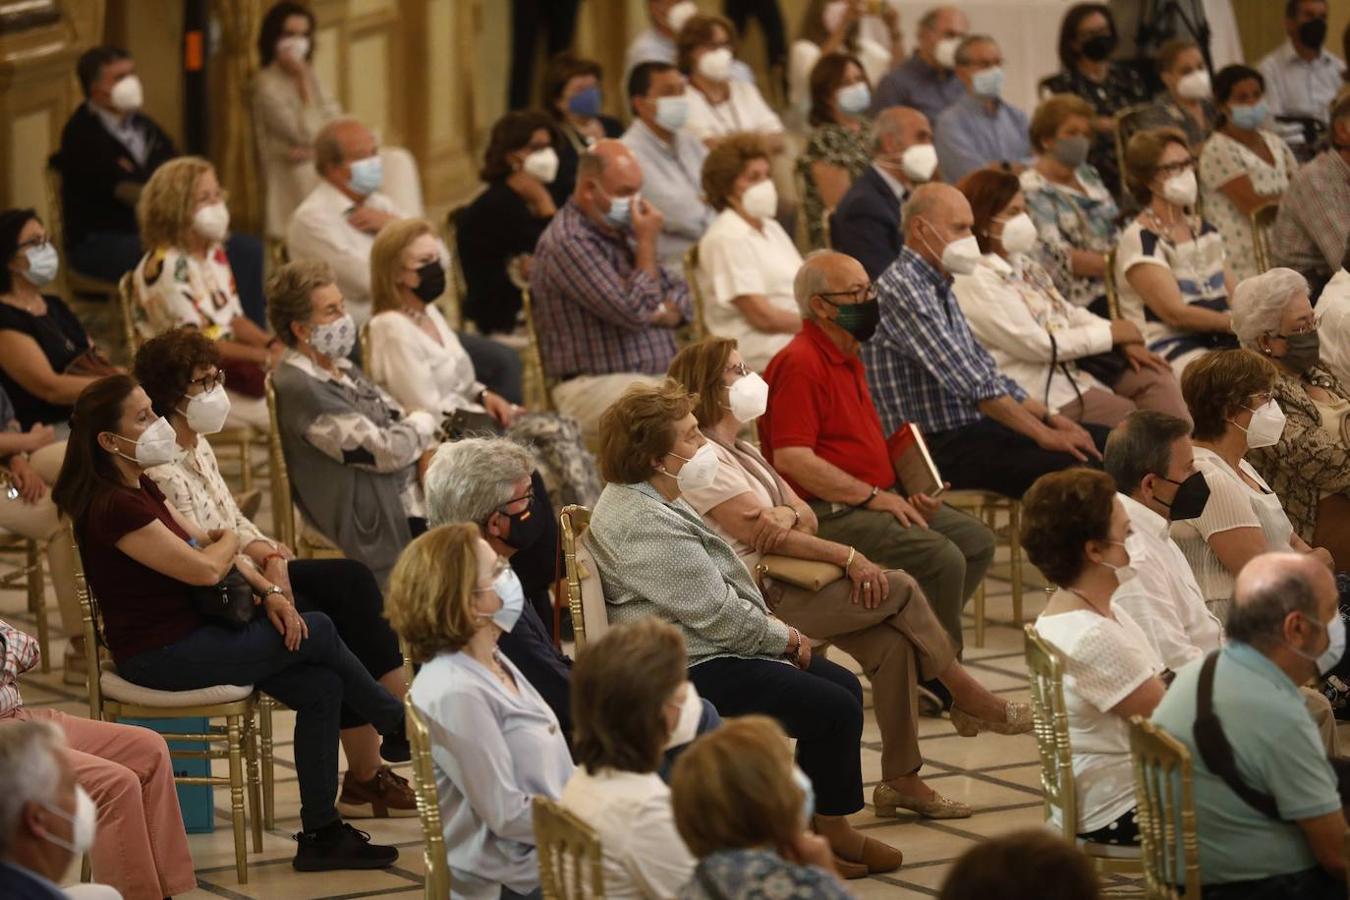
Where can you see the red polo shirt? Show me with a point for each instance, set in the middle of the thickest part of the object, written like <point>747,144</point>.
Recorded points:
<point>818,398</point>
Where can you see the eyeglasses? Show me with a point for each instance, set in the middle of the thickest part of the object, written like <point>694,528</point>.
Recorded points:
<point>1176,167</point>
<point>1263,398</point>
<point>865,294</point>
<point>210,380</point>
<point>35,243</point>
<point>528,497</point>
<point>739,369</point>
<point>1308,328</point>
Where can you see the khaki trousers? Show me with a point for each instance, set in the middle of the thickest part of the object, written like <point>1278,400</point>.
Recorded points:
<point>41,522</point>
<point>898,644</point>
<point>586,397</point>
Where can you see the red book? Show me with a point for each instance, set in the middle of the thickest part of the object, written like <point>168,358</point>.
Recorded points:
<point>914,466</point>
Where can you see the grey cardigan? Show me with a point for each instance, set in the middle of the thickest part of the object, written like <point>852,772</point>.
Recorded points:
<point>658,558</point>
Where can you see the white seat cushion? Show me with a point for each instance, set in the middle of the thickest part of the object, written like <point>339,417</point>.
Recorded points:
<point>115,687</point>
<point>1108,851</point>
<point>593,612</point>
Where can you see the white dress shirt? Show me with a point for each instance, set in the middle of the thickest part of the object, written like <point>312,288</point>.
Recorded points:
<point>319,230</point>
<point>419,372</point>
<point>493,752</point>
<point>1297,87</point>
<point>743,110</point>
<point>1163,598</point>
<point>1333,307</point>
<point>644,854</point>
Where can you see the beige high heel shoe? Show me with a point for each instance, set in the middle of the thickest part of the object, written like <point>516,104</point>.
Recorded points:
<point>1018,717</point>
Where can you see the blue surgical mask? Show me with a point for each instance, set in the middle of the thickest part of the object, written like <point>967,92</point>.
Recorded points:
<point>620,211</point>
<point>585,103</point>
<point>988,83</point>
<point>367,175</point>
<point>507,587</point>
<point>854,99</point>
<point>1249,117</point>
<point>803,781</point>
<point>43,264</point>
<point>672,112</point>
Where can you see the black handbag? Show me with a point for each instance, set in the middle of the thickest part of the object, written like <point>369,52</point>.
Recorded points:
<point>463,423</point>
<point>228,601</point>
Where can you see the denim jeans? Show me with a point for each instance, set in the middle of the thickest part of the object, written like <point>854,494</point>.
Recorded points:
<point>315,681</point>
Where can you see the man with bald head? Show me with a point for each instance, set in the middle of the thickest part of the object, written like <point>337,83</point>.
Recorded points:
<point>926,81</point>
<point>866,224</point>
<point>1267,807</point>
<point>822,434</point>
<point>924,365</point>
<point>604,309</point>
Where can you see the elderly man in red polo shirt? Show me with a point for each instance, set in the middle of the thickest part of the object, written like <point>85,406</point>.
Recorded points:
<point>823,435</point>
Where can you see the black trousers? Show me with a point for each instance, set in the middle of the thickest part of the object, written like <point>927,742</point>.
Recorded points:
<point>1310,884</point>
<point>558,20</point>
<point>989,456</point>
<point>820,707</point>
<point>770,18</point>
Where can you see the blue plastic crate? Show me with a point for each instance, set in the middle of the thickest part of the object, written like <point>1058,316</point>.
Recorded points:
<point>195,800</point>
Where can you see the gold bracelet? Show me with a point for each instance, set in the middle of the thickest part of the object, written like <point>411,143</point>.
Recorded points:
<point>852,552</point>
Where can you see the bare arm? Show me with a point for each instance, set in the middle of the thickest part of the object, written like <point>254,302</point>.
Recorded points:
<point>158,548</point>
<point>1158,287</point>
<point>1087,263</point>
<point>25,362</point>
<point>823,479</point>
<point>832,182</point>
<point>739,517</point>
<point>1142,700</point>
<point>764,316</point>
<point>1236,547</point>
<point>1326,839</point>
<point>1244,195</point>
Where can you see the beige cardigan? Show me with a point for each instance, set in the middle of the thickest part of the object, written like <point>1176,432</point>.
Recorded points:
<point>282,121</point>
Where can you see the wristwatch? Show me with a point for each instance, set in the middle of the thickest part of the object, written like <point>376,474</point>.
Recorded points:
<point>274,589</point>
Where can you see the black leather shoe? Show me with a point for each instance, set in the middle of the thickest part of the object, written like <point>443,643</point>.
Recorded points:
<point>340,846</point>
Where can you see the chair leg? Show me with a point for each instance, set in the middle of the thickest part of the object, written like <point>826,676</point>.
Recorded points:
<point>265,705</point>
<point>979,614</point>
<point>37,602</point>
<point>246,463</point>
<point>1015,560</point>
<point>255,812</point>
<point>234,739</point>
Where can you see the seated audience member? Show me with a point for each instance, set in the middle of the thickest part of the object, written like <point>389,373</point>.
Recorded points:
<point>746,261</point>
<point>497,232</point>
<point>142,849</point>
<point>573,98</point>
<point>47,821</point>
<point>417,358</point>
<point>821,432</point>
<point>891,634</point>
<point>353,454</point>
<point>185,279</point>
<point>839,148</point>
<point>46,358</point>
<point>633,700</point>
<point>656,43</point>
<point>604,309</point>
<point>495,742</point>
<point>1075,215</point>
<point>866,223</point>
<point>1312,230</point>
<point>109,150</point>
<point>655,556</point>
<point>924,365</point>
<point>1024,865</point>
<point>720,103</point>
<point>1231,397</point>
<point>143,559</point>
<point>1171,268</point>
<point>926,82</point>
<point>1075,529</point>
<point>1309,466</point>
<point>1304,77</point>
<point>745,810</point>
<point>670,156</point>
<point>1243,166</point>
<point>1087,41</point>
<point>872,36</point>
<point>1187,101</point>
<point>980,128</point>
<point>1036,336</point>
<point>180,372</point>
<point>1333,315</point>
<point>1284,630</point>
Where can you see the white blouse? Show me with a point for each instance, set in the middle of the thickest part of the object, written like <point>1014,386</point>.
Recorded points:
<point>743,110</point>
<point>416,370</point>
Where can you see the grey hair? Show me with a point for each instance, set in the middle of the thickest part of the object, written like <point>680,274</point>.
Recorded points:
<point>920,203</point>
<point>290,292</point>
<point>970,40</point>
<point>29,772</point>
<point>929,19</point>
<point>1258,303</point>
<point>327,147</point>
<point>809,281</point>
<point>887,124</point>
<point>469,478</point>
<point>1141,445</point>
<point>1268,589</point>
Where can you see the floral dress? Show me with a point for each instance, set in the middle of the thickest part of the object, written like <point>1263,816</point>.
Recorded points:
<point>1068,219</point>
<point>1224,159</point>
<point>838,146</point>
<point>759,875</point>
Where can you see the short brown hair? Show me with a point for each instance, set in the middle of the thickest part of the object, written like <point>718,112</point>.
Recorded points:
<point>725,163</point>
<point>164,210</point>
<point>165,363</point>
<point>561,69</point>
<point>1053,112</point>
<point>989,192</point>
<point>290,292</point>
<point>697,31</point>
<point>1168,52</point>
<point>1025,865</point>
<point>699,368</point>
<point>826,76</point>
<point>620,687</point>
<point>733,788</point>
<point>1060,512</point>
<point>1141,158</point>
<point>429,602</point>
<point>640,427</point>
<point>386,260</point>
<point>1218,385</point>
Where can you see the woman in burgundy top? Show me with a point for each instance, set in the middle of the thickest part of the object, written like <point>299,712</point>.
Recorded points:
<point>142,558</point>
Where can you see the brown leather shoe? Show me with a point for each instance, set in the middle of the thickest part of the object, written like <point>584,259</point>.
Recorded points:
<point>874,857</point>
<point>849,870</point>
<point>888,801</point>
<point>386,796</point>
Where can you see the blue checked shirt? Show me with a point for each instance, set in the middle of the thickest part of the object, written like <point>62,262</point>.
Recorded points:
<point>924,364</point>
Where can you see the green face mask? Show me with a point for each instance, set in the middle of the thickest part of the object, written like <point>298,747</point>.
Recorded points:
<point>858,319</point>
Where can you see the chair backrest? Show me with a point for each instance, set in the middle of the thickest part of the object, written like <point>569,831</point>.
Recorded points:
<point>1046,676</point>
<point>283,508</point>
<point>1128,121</point>
<point>453,302</point>
<point>428,804</point>
<point>695,291</point>
<point>825,218</point>
<point>534,359</point>
<point>1112,289</point>
<point>363,336</point>
<point>129,311</point>
<point>55,223</point>
<point>585,598</point>
<point>1263,221</point>
<point>92,623</point>
<point>1163,790</point>
<point>570,857</point>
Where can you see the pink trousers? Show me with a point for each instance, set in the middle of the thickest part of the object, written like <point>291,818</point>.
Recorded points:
<point>140,847</point>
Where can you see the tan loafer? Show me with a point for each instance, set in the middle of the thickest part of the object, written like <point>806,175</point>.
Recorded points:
<point>1018,721</point>
<point>848,869</point>
<point>888,802</point>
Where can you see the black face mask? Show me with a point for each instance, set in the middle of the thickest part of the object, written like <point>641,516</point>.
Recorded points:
<point>1191,498</point>
<point>858,319</point>
<point>526,525</point>
<point>1312,33</point>
<point>430,281</point>
<point>1099,47</point>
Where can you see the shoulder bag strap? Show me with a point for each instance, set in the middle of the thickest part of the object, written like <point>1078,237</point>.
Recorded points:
<point>1214,748</point>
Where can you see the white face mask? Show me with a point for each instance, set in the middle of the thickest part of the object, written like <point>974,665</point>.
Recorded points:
<point>961,256</point>
<point>945,52</point>
<point>715,65</point>
<point>1019,234</point>
<point>1328,658</point>
<point>1181,189</point>
<point>127,95</point>
<point>1195,86</point>
<point>1126,572</point>
<point>542,164</point>
<point>156,446</point>
<point>691,711</point>
<point>760,200</point>
<point>698,471</point>
<point>83,824</point>
<point>294,48</point>
<point>206,412</point>
<point>680,13</point>
<point>212,221</point>
<point>749,398</point>
<point>1266,426</point>
<point>919,162</point>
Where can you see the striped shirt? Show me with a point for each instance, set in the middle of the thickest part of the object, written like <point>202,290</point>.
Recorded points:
<point>18,654</point>
<point>1198,268</point>
<point>593,305</point>
<point>1313,225</point>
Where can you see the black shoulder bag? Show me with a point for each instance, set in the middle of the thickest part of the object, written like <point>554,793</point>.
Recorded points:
<point>1215,749</point>
<point>228,601</point>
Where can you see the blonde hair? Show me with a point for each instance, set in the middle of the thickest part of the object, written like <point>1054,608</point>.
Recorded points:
<point>430,598</point>
<point>386,260</point>
<point>164,211</point>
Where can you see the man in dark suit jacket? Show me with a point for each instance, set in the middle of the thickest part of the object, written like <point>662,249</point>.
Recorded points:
<point>866,224</point>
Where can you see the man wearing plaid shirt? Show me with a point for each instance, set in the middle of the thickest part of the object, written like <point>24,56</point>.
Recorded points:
<point>1312,229</point>
<point>604,309</point>
<point>925,366</point>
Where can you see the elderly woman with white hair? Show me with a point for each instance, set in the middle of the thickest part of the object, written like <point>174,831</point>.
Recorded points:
<point>1308,466</point>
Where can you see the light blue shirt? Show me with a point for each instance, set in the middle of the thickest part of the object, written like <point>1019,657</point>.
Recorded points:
<point>493,751</point>
<point>671,180</point>
<point>969,137</point>
<point>1278,751</point>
